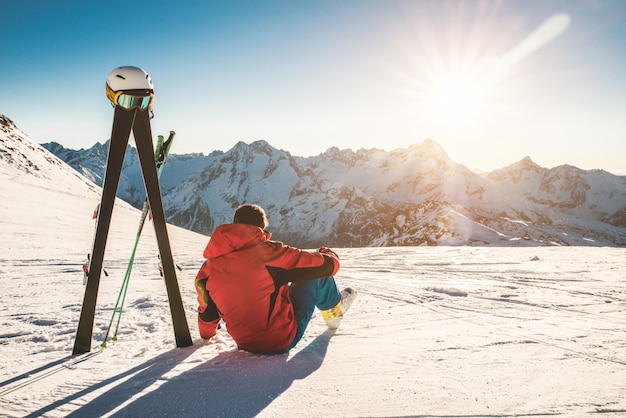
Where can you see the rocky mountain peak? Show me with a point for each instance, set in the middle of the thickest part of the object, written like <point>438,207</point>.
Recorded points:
<point>6,124</point>
<point>428,150</point>
<point>525,168</point>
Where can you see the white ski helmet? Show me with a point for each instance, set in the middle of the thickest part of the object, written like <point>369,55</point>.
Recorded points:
<point>132,80</point>
<point>129,78</point>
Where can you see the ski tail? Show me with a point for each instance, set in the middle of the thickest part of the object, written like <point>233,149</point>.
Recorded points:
<point>165,150</point>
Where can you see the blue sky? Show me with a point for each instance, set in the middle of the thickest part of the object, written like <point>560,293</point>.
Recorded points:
<point>491,81</point>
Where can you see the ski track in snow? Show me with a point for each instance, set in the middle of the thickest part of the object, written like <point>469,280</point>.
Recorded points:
<point>530,337</point>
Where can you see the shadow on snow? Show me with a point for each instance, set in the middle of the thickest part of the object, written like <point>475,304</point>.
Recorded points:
<point>233,383</point>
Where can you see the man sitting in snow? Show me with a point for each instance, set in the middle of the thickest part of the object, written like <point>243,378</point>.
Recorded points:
<point>265,291</point>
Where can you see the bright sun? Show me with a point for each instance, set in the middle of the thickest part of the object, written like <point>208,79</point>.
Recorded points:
<point>454,101</point>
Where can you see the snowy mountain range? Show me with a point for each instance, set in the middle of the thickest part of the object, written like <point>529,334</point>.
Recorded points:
<point>343,198</point>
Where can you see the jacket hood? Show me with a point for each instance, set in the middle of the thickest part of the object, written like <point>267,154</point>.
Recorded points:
<point>233,237</point>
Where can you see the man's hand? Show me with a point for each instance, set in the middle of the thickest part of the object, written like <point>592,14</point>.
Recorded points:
<point>325,250</point>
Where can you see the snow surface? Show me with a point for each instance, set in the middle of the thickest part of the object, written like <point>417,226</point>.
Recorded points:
<point>435,331</point>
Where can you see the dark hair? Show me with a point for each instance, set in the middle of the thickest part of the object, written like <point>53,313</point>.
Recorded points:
<point>251,215</point>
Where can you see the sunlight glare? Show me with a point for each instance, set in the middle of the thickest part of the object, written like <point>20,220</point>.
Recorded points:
<point>548,31</point>
<point>458,92</point>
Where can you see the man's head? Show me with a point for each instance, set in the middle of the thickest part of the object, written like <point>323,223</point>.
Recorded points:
<point>251,215</point>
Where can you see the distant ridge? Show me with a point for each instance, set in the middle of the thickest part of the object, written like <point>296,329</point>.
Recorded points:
<point>370,197</point>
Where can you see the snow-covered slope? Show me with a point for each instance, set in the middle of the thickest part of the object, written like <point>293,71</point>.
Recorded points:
<point>414,196</point>
<point>435,331</point>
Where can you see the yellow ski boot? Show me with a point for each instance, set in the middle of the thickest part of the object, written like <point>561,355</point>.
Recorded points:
<point>333,316</point>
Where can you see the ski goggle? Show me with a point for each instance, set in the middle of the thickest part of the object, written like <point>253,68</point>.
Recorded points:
<point>135,100</point>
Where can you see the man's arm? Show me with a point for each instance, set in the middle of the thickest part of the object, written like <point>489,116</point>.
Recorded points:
<point>290,270</point>
<point>208,315</point>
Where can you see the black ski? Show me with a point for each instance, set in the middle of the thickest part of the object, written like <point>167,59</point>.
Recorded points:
<point>142,129</point>
<point>123,122</point>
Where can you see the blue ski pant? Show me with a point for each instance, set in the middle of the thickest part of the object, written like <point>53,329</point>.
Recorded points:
<point>322,293</point>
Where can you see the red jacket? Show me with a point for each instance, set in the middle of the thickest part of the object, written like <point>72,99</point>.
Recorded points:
<point>245,282</point>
